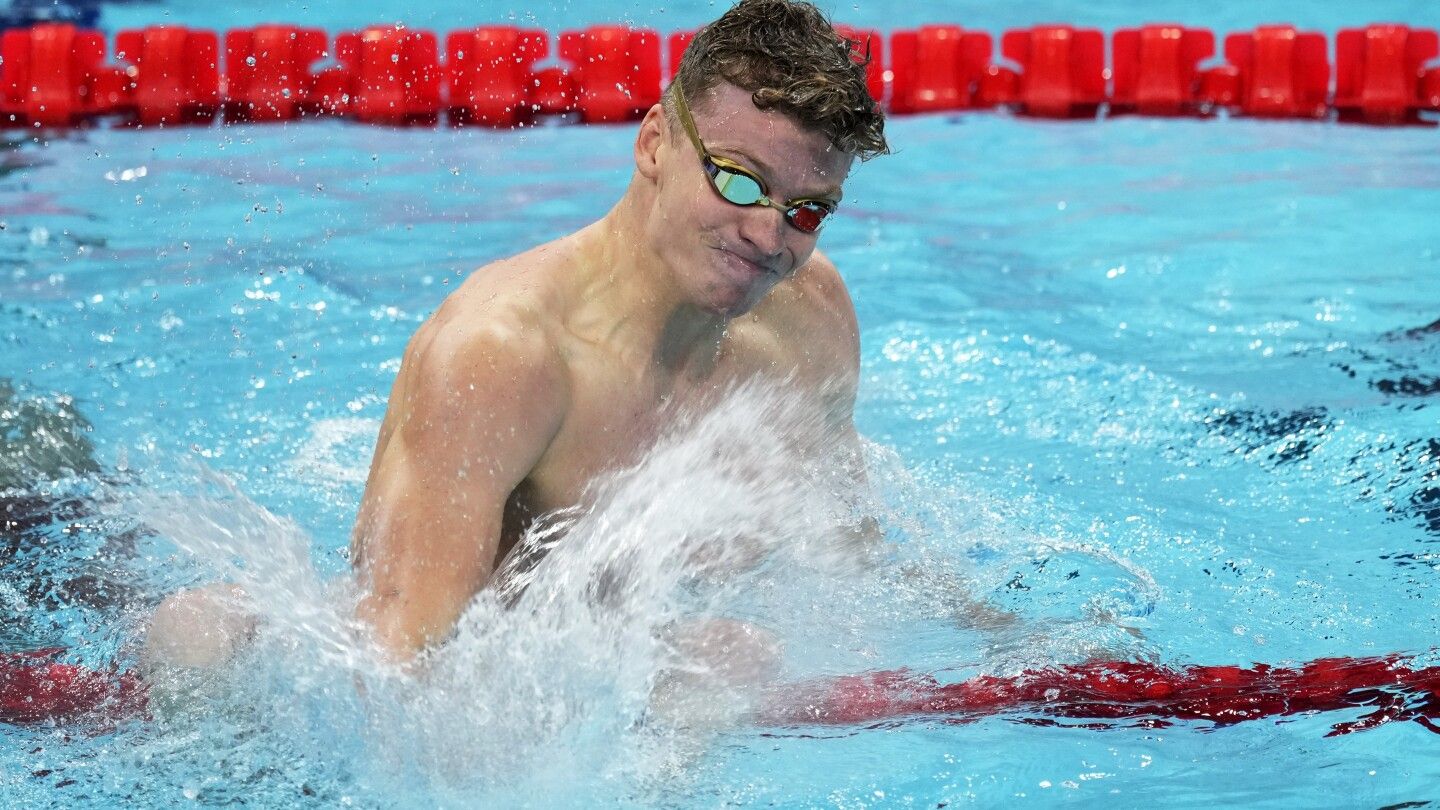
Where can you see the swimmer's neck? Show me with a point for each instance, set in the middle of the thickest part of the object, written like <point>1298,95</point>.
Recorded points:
<point>626,297</point>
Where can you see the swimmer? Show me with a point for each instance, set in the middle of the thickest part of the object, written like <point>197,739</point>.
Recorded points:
<point>548,369</point>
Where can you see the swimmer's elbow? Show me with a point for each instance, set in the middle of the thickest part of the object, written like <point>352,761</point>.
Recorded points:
<point>398,635</point>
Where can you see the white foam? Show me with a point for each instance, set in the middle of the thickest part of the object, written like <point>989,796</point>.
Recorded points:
<point>545,689</point>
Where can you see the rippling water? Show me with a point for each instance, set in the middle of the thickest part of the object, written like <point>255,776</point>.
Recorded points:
<point>1159,377</point>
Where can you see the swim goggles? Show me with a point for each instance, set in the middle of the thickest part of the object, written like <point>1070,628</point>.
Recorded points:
<point>740,186</point>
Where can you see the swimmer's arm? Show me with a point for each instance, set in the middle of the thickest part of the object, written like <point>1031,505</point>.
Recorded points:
<point>866,535</point>
<point>840,390</point>
<point>469,417</point>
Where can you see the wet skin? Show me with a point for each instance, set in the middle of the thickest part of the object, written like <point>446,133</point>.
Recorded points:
<point>546,370</point>
<point>550,368</point>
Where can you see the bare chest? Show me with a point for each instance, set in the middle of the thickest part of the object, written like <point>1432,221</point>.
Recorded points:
<point>614,420</point>
<point>619,411</point>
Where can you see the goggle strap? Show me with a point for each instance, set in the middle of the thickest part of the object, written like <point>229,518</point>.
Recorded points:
<point>713,168</point>
<point>687,121</point>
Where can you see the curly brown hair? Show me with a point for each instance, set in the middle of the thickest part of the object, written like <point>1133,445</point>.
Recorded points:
<point>790,59</point>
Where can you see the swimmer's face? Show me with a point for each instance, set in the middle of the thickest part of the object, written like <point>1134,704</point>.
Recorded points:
<point>726,257</point>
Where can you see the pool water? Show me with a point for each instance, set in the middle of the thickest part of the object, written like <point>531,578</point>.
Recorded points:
<point>1161,388</point>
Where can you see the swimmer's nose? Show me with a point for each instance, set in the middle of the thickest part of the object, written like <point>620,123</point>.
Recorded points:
<point>763,228</point>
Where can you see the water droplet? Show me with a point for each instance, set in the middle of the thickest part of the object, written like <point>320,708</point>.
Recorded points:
<point>250,60</point>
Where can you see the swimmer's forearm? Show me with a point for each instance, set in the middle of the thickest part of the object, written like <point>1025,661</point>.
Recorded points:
<point>402,629</point>
<point>955,594</point>
<point>397,640</point>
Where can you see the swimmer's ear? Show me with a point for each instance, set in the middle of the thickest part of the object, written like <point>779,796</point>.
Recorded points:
<point>653,130</point>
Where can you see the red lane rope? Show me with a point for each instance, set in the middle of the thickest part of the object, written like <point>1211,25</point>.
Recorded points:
<point>56,75</point>
<point>1115,690</point>
<point>36,689</point>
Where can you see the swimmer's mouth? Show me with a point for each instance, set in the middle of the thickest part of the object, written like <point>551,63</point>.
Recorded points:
<point>749,265</point>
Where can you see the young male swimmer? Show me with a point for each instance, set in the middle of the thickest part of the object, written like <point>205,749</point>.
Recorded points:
<point>551,368</point>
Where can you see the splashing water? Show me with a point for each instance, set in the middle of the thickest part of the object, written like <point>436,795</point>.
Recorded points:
<point>742,517</point>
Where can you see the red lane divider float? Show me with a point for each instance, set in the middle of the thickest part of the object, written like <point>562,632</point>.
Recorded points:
<point>1380,75</point>
<point>489,74</point>
<point>1282,72</point>
<point>938,68</point>
<point>386,75</point>
<point>174,76</point>
<point>1157,70</point>
<point>1062,70</point>
<point>617,71</point>
<point>55,75</point>
<point>35,688</point>
<point>268,71</point>
<point>678,42</point>
<point>48,73</point>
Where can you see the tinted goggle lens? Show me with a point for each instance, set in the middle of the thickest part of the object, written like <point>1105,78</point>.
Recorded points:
<point>738,188</point>
<point>743,189</point>
<point>808,217</point>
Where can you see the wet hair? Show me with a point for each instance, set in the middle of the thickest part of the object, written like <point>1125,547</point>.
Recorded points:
<point>791,60</point>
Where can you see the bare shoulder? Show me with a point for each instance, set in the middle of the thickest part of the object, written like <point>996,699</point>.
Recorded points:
<point>488,351</point>
<point>812,317</point>
<point>504,314</point>
<point>819,284</point>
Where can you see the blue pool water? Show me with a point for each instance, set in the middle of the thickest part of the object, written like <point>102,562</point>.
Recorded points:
<point>1120,377</point>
